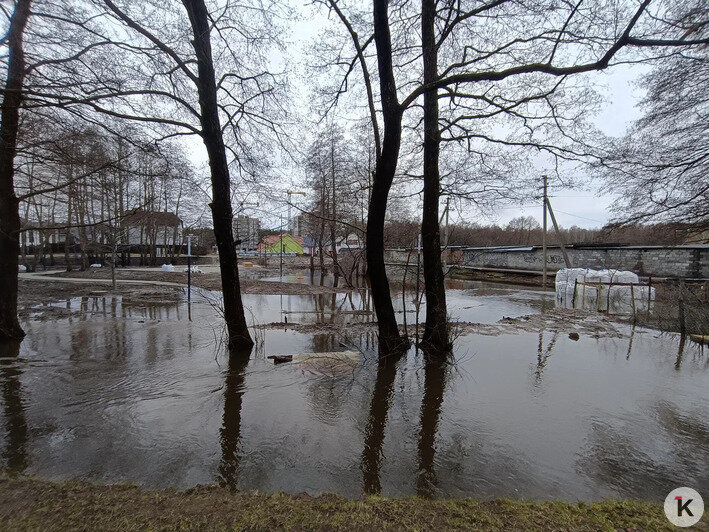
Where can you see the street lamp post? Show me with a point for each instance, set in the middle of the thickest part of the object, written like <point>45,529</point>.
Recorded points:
<point>290,193</point>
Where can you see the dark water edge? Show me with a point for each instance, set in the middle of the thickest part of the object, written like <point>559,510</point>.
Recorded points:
<point>144,394</point>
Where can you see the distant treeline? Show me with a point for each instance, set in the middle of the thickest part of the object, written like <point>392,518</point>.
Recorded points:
<point>522,231</point>
<point>526,233</point>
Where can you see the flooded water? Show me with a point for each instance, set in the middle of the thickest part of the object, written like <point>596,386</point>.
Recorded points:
<point>144,394</point>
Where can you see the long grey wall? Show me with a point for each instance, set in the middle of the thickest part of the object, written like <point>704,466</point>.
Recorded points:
<point>680,261</point>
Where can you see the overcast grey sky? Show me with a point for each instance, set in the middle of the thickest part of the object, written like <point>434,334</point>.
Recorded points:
<point>577,206</point>
<point>587,208</point>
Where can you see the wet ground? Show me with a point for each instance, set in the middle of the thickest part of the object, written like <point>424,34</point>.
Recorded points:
<point>139,390</point>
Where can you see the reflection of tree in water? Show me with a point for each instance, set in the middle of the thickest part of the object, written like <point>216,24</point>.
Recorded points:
<point>543,355</point>
<point>376,423</point>
<point>230,433</point>
<point>434,387</point>
<point>328,391</point>
<point>616,457</point>
<point>15,453</point>
<point>690,438</point>
<point>680,352</point>
<point>323,343</point>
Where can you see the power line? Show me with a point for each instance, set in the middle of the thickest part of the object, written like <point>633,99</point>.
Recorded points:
<point>582,217</point>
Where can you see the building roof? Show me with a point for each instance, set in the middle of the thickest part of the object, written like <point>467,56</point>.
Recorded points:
<point>161,218</point>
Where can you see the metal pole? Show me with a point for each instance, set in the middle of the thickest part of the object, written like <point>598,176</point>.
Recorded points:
<point>544,236</point>
<point>288,221</point>
<point>189,267</point>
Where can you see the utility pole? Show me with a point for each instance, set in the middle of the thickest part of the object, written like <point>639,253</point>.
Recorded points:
<point>567,261</point>
<point>544,235</point>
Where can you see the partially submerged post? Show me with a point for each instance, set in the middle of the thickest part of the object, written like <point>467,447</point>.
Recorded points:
<point>189,267</point>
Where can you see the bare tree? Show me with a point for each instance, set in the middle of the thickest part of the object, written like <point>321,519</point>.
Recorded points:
<point>493,47</point>
<point>149,63</point>
<point>435,334</point>
<point>662,164</point>
<point>239,337</point>
<point>9,214</point>
<point>389,338</point>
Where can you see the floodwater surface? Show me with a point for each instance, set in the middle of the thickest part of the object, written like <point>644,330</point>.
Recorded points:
<point>145,394</point>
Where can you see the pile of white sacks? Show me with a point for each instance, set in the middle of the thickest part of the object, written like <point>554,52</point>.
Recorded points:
<point>588,289</point>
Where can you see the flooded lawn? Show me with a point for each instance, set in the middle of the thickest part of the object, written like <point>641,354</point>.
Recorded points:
<point>120,391</point>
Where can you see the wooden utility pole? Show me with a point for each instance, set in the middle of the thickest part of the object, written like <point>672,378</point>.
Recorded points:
<point>558,235</point>
<point>544,235</point>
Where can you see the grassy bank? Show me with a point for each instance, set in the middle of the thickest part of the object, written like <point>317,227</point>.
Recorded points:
<point>35,504</point>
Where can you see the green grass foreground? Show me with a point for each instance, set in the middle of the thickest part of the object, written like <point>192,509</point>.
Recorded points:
<point>27,503</point>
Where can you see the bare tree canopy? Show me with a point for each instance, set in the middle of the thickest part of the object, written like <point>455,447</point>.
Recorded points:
<point>662,164</point>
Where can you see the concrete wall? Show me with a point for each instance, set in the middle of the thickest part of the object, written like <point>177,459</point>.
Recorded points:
<point>680,261</point>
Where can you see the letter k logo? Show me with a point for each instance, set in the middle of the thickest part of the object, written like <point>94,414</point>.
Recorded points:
<point>683,507</point>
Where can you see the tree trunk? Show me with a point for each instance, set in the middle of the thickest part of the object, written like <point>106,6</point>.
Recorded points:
<point>389,338</point>
<point>9,213</point>
<point>67,232</point>
<point>435,334</point>
<point>321,233</point>
<point>239,337</point>
<point>333,210</point>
